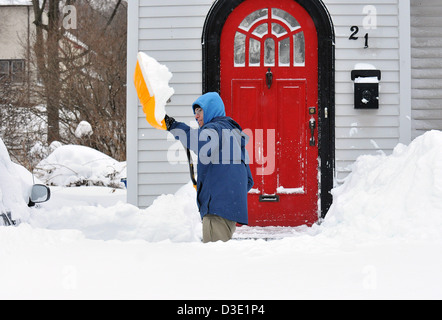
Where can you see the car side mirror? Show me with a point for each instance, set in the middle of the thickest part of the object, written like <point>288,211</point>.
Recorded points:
<point>39,194</point>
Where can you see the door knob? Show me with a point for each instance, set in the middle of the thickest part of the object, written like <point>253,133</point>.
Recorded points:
<point>269,78</point>
<point>312,124</point>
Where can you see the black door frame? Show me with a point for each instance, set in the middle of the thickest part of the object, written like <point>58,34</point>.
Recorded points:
<point>211,45</point>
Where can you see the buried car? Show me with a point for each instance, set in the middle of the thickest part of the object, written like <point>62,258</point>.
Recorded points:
<point>17,191</point>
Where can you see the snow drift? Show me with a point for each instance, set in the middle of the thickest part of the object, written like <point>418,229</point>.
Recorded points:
<point>15,186</point>
<point>394,196</point>
<point>72,165</point>
<point>170,217</point>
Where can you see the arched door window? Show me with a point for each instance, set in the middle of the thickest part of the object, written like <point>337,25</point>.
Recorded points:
<point>269,37</point>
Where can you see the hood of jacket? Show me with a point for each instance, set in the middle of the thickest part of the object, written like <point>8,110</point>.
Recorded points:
<point>212,105</point>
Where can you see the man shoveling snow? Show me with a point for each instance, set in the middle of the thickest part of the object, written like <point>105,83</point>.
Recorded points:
<point>224,176</point>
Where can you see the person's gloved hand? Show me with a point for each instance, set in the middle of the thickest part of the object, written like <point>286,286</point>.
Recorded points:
<point>169,121</point>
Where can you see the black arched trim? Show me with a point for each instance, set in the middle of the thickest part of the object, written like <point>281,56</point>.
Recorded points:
<point>211,42</point>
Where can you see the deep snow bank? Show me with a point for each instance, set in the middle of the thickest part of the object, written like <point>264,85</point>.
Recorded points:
<point>170,217</point>
<point>15,186</point>
<point>395,196</point>
<point>73,165</point>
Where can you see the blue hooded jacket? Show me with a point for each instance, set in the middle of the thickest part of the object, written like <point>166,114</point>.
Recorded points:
<point>224,176</point>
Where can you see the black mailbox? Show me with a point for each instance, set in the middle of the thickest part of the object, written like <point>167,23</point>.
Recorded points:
<point>366,88</point>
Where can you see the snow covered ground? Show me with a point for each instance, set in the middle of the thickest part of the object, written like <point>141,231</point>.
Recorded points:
<point>382,239</point>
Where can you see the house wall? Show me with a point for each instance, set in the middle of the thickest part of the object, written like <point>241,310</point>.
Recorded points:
<point>367,131</point>
<point>170,31</point>
<point>426,43</point>
<point>14,31</point>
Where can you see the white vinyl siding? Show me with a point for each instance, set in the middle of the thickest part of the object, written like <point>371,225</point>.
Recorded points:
<point>366,131</point>
<point>426,42</point>
<point>170,31</point>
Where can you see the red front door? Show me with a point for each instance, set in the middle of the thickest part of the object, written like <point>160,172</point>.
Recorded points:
<point>269,83</point>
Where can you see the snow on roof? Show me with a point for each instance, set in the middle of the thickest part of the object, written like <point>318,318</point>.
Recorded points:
<point>15,3</point>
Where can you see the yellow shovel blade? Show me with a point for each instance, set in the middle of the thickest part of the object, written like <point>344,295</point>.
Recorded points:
<point>147,99</point>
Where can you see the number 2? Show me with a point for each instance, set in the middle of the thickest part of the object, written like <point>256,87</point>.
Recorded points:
<point>355,30</point>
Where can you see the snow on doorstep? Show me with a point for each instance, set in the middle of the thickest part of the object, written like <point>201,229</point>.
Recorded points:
<point>157,77</point>
<point>283,190</point>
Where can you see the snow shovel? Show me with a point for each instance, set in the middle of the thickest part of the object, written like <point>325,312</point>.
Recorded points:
<point>152,84</point>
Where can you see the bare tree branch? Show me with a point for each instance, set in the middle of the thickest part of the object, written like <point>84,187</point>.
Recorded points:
<point>80,75</point>
<point>113,13</point>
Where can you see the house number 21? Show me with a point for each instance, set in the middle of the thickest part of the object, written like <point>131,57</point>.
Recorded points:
<point>355,30</point>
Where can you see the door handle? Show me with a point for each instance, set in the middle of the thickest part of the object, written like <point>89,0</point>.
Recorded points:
<point>312,125</point>
<point>269,78</point>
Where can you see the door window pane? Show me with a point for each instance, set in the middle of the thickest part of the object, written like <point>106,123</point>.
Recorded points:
<point>254,52</point>
<point>269,52</point>
<point>278,30</point>
<point>299,49</point>
<point>285,17</point>
<point>240,50</point>
<point>284,52</point>
<point>261,30</point>
<point>254,17</point>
